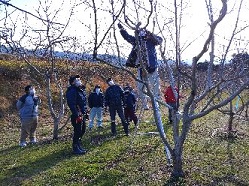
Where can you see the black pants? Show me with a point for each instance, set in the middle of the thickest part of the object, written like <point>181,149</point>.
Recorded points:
<point>130,115</point>
<point>174,105</point>
<point>79,129</point>
<point>118,109</point>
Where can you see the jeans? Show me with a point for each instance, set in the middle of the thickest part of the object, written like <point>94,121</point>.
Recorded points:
<point>96,111</point>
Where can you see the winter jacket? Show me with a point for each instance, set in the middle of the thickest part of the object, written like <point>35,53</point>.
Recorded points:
<point>96,100</point>
<point>169,95</point>
<point>114,96</point>
<point>27,106</point>
<point>151,41</point>
<point>129,100</point>
<point>76,100</point>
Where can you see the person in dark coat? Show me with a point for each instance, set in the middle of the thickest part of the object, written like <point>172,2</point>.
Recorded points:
<point>130,106</point>
<point>147,45</point>
<point>96,104</point>
<point>76,100</point>
<point>114,97</point>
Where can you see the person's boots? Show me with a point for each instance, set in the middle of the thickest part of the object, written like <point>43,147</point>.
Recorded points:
<point>126,129</point>
<point>113,129</point>
<point>80,148</point>
<point>83,128</point>
<point>76,149</point>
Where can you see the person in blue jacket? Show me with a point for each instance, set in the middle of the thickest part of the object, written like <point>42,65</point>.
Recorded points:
<point>77,101</point>
<point>96,104</point>
<point>147,42</point>
<point>114,99</point>
<point>27,105</point>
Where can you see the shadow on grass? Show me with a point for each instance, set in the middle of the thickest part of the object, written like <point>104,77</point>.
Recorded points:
<point>175,182</point>
<point>16,174</point>
<point>230,178</point>
<point>107,178</point>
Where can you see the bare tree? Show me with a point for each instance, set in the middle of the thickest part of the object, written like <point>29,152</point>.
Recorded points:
<point>145,14</point>
<point>42,43</point>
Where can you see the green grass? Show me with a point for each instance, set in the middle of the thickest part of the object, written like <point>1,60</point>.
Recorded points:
<point>209,157</point>
<point>134,160</point>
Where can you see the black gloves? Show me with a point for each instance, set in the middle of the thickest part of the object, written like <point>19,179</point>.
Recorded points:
<point>120,26</point>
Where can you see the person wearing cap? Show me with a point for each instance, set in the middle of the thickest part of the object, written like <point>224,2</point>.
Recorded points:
<point>147,42</point>
<point>96,104</point>
<point>27,105</point>
<point>130,106</point>
<point>114,97</point>
<point>76,100</point>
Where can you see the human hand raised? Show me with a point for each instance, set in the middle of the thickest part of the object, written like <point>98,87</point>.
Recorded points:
<point>120,26</point>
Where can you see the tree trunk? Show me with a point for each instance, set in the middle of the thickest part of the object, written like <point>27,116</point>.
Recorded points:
<point>56,128</point>
<point>177,163</point>
<point>230,122</point>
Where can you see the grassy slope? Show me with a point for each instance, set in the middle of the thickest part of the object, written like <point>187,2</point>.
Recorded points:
<point>209,158</point>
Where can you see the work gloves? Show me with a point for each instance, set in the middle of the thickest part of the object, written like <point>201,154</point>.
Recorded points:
<point>120,26</point>
<point>79,120</point>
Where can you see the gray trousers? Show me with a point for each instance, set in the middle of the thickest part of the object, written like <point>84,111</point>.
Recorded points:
<point>28,128</point>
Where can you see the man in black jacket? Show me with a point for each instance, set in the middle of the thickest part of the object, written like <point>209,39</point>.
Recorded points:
<point>76,100</point>
<point>114,97</point>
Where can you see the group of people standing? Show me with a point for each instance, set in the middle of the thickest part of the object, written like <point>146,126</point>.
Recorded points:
<point>118,100</point>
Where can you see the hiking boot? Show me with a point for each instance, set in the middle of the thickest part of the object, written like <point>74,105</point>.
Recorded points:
<point>113,129</point>
<point>114,134</point>
<point>81,148</point>
<point>76,150</point>
<point>23,144</point>
<point>33,141</point>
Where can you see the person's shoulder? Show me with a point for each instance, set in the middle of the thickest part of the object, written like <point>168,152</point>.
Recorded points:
<point>23,97</point>
<point>71,89</point>
<point>133,94</point>
<point>118,86</point>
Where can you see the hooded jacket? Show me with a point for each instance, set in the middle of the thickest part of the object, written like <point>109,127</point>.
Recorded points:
<point>151,41</point>
<point>27,106</point>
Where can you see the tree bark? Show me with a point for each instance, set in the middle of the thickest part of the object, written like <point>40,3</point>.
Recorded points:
<point>56,128</point>
<point>177,162</point>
